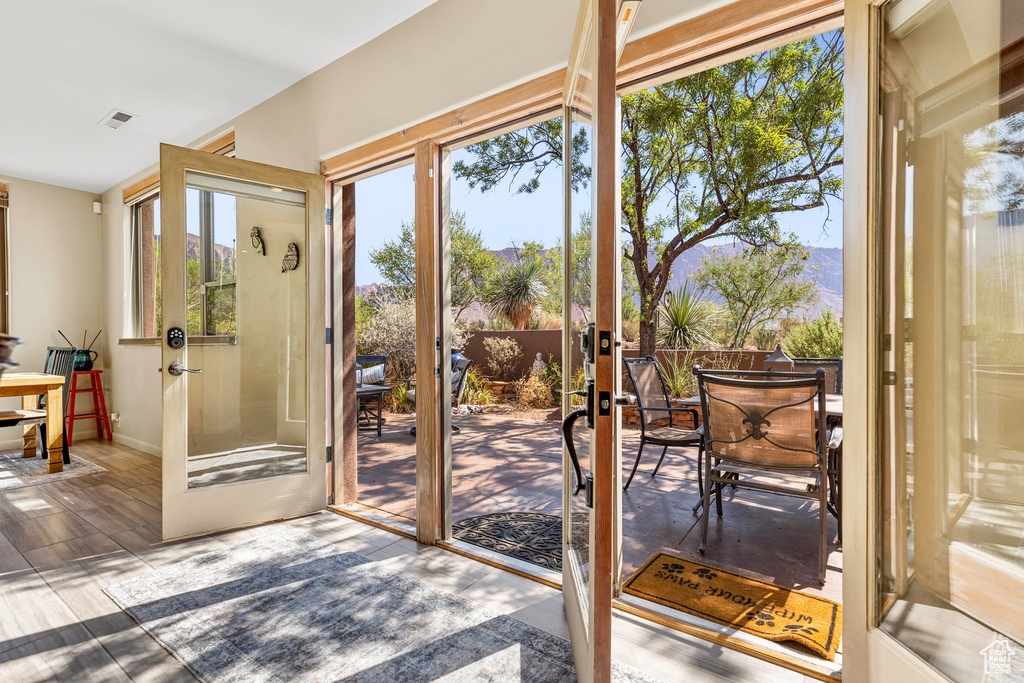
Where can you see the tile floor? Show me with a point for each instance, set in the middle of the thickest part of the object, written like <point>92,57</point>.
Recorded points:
<point>62,543</point>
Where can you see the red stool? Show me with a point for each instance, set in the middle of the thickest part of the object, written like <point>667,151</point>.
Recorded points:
<point>99,405</point>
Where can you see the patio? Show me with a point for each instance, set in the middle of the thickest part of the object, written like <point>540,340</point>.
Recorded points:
<point>507,463</point>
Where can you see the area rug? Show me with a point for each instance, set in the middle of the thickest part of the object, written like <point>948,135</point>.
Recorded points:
<point>757,607</point>
<point>529,536</point>
<point>289,607</point>
<point>17,472</point>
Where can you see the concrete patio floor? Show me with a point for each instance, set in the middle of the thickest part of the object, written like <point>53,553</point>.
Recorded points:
<point>506,463</point>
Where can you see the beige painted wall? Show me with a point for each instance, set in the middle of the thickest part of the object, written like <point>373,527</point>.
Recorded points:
<point>450,54</point>
<point>55,264</point>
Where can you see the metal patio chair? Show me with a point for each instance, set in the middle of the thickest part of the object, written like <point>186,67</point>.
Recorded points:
<point>652,403</point>
<point>460,373</point>
<point>833,368</point>
<point>370,370</point>
<point>760,424</point>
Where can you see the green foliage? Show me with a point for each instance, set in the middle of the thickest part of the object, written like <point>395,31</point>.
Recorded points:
<point>757,285</point>
<point>552,377</point>
<point>579,267</point>
<point>820,337</point>
<point>391,330</point>
<point>765,338</point>
<point>516,290</point>
<point>535,146</point>
<point>686,320</point>
<point>678,369</point>
<point>503,357</point>
<point>471,263</point>
<point>400,403</point>
<point>729,148</point>
<point>476,393</point>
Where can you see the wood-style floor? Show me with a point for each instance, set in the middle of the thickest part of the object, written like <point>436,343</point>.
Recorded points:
<point>62,543</point>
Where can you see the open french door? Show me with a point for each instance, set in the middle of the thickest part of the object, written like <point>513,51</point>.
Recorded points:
<point>592,526</point>
<point>242,289</point>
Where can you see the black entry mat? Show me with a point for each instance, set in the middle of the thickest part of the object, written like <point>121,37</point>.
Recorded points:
<point>529,536</point>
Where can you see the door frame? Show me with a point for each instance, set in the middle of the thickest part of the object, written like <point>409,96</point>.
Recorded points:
<point>187,512</point>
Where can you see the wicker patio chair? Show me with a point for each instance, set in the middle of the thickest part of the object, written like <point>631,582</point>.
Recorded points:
<point>762,424</point>
<point>652,403</point>
<point>833,368</point>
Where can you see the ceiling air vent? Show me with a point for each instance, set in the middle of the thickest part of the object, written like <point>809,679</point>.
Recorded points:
<point>116,118</point>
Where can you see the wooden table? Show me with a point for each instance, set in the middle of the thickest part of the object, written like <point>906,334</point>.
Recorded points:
<point>29,385</point>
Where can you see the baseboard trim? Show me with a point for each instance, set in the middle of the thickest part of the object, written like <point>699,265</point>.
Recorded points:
<point>138,445</point>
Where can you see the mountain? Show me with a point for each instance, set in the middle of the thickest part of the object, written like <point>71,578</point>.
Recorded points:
<point>824,266</point>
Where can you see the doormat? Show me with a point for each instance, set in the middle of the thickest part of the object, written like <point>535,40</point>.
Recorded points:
<point>286,606</point>
<point>757,607</point>
<point>529,536</point>
<point>17,472</point>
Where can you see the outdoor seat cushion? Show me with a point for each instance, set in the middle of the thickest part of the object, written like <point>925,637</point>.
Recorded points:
<point>674,435</point>
<point>371,375</point>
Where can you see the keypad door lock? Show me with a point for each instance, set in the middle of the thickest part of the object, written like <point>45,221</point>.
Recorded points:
<point>176,337</point>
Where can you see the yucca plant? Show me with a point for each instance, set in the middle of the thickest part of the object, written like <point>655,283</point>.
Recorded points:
<point>687,322</point>
<point>765,338</point>
<point>516,290</point>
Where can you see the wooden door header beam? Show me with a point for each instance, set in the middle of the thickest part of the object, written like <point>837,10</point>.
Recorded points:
<point>722,30</point>
<point>219,145</point>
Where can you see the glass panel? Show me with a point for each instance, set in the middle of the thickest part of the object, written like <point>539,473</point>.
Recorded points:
<point>953,458</point>
<point>383,244</point>
<point>146,267</point>
<point>580,202</point>
<point>247,409</point>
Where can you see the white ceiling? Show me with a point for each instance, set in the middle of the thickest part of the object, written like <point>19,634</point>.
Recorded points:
<point>183,67</point>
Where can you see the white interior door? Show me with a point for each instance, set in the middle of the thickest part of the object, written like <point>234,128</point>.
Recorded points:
<point>242,326</point>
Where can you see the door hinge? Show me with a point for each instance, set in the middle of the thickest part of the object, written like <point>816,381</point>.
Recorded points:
<point>889,378</point>
<point>887,342</point>
<point>327,216</point>
<point>437,371</point>
<point>329,337</point>
<point>330,453</point>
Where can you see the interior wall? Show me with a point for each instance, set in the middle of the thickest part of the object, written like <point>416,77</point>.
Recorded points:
<point>453,53</point>
<point>54,274</point>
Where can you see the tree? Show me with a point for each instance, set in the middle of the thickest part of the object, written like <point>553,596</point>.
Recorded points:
<point>471,263</point>
<point>516,290</point>
<point>579,269</point>
<point>725,150</point>
<point>757,285</point>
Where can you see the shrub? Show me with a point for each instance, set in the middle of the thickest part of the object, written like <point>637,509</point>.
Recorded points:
<point>678,370</point>
<point>820,337</point>
<point>390,329</point>
<point>552,377</point>
<point>503,357</point>
<point>477,393</point>
<point>532,392</point>
<point>399,402</point>
<point>765,338</point>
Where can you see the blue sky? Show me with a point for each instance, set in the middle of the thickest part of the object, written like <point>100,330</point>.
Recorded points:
<point>385,200</point>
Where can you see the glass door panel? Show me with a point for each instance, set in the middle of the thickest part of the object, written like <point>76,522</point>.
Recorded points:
<point>242,255</point>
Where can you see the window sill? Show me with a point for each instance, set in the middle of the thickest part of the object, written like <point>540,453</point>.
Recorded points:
<point>218,340</point>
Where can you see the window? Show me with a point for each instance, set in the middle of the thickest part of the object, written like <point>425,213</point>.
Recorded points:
<point>210,263</point>
<point>145,249</point>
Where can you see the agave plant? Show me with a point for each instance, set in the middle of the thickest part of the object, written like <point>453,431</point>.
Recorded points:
<point>765,338</point>
<point>686,320</point>
<point>516,290</point>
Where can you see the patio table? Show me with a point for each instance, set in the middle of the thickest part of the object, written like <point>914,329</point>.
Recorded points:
<point>373,392</point>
